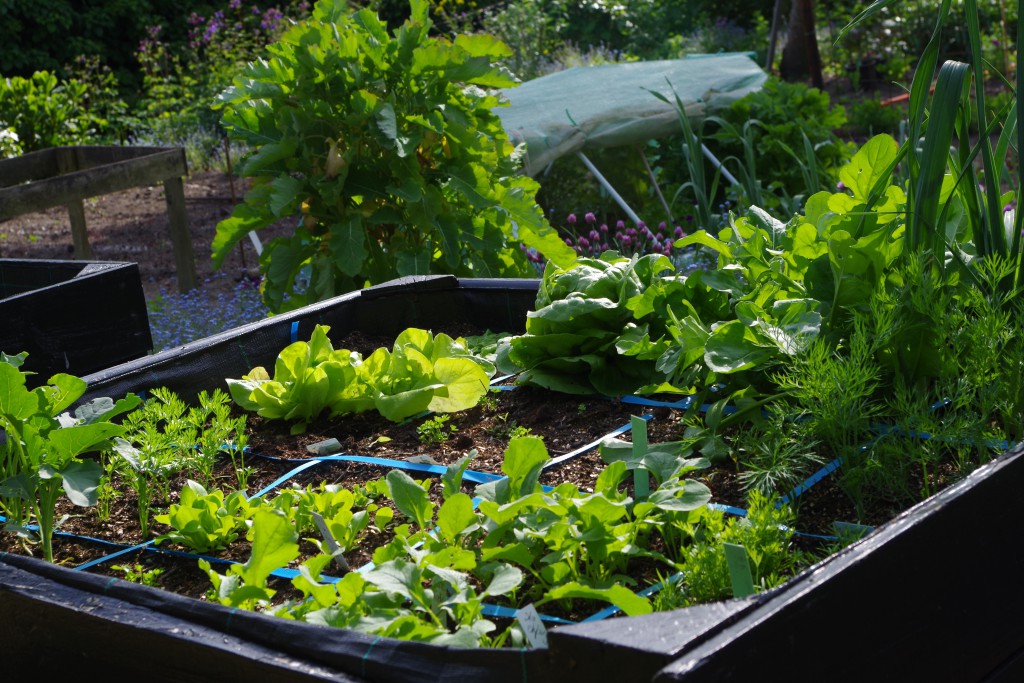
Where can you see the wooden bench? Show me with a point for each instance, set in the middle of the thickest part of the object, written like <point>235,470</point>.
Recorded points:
<point>65,176</point>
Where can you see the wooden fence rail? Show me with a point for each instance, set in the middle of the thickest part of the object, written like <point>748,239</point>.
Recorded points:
<point>66,176</point>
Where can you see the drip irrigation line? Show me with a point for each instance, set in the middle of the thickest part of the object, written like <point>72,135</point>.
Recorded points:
<point>285,477</point>
<point>682,404</point>
<point>727,509</point>
<point>554,462</point>
<point>112,556</point>
<point>503,612</point>
<point>811,481</point>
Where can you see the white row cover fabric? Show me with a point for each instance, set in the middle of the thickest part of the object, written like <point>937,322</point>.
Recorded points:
<point>612,105</point>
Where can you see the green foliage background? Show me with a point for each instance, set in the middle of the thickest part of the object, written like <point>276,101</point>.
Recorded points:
<point>387,145</point>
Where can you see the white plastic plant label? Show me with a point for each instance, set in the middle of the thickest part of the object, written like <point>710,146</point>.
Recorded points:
<point>533,628</point>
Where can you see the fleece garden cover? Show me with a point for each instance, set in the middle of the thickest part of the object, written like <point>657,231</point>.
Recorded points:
<point>612,105</point>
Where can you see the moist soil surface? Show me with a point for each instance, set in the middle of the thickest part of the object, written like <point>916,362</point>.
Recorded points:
<point>568,425</point>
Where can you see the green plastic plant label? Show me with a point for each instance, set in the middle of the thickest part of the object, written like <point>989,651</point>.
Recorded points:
<point>641,479</point>
<point>533,628</point>
<point>739,570</point>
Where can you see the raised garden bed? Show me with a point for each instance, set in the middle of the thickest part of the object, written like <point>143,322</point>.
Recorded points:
<point>76,317</point>
<point>783,624</point>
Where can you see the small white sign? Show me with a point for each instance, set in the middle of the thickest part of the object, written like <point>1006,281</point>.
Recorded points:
<point>533,628</point>
<point>332,544</point>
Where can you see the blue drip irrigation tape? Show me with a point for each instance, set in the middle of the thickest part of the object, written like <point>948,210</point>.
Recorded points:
<point>112,556</point>
<point>811,481</point>
<point>727,509</point>
<point>510,613</point>
<point>886,430</point>
<point>471,476</point>
<point>682,404</point>
<point>590,446</point>
<point>285,477</point>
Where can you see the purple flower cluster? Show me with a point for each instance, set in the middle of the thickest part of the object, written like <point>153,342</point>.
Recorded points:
<point>176,319</point>
<point>592,239</point>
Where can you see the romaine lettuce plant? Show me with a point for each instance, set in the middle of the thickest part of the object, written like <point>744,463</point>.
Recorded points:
<point>308,378</point>
<point>422,372</point>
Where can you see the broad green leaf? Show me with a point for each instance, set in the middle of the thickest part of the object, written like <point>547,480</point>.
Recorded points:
<point>452,557</point>
<point>690,496</point>
<point>269,155</point>
<point>871,163</point>
<point>456,517</point>
<point>387,123</point>
<point>451,480</point>
<point>513,552</point>
<point>620,596</point>
<point>482,45</point>
<point>285,195</point>
<point>504,579</point>
<point>457,580</point>
<point>63,390</point>
<point>244,219</point>
<point>348,245</point>
<point>464,384</point>
<point>81,480</point>
<point>15,400</point>
<point>397,407</point>
<point>395,576</point>
<point>733,347</point>
<point>71,442</point>
<point>524,458</point>
<point>702,238</point>
<point>273,546</point>
<point>410,498</point>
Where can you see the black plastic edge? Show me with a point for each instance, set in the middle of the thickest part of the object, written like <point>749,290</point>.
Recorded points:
<point>52,627</point>
<point>348,655</point>
<point>932,595</point>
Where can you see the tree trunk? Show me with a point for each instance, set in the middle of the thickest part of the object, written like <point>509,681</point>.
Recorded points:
<point>800,58</point>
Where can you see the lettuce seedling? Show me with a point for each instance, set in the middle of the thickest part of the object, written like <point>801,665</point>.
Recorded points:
<point>205,521</point>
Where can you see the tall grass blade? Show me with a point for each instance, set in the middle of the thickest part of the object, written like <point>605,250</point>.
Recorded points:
<point>923,232</point>
<point>992,237</point>
<point>1018,222</point>
<point>868,12</point>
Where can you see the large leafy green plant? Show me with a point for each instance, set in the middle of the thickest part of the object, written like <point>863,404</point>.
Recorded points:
<point>387,146</point>
<point>44,111</point>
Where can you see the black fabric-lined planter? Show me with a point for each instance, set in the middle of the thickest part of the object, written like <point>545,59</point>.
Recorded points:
<point>76,317</point>
<point>928,596</point>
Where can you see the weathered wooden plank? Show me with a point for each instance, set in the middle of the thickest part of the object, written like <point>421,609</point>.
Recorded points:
<point>122,175</point>
<point>79,234</point>
<point>181,239</point>
<point>90,156</point>
<point>33,166</point>
<point>68,175</point>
